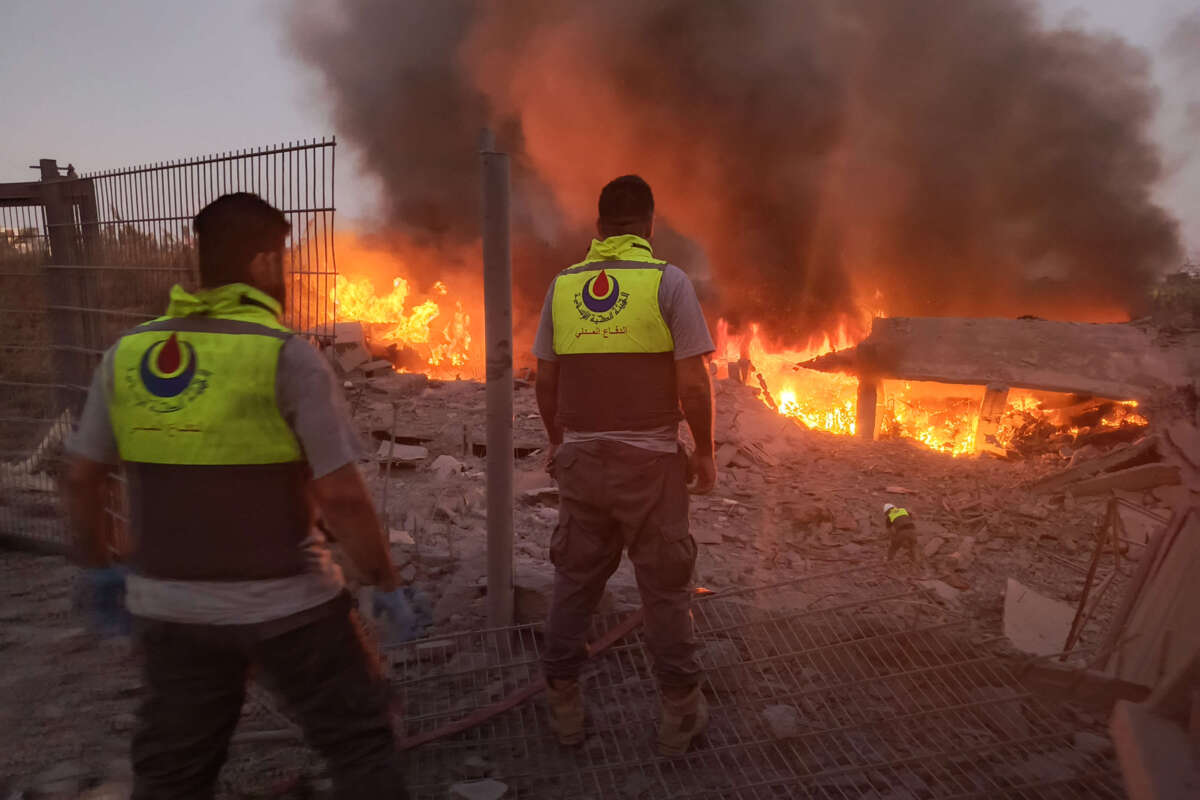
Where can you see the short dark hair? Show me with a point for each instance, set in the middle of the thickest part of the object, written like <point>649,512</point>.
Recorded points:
<point>625,201</point>
<point>231,231</point>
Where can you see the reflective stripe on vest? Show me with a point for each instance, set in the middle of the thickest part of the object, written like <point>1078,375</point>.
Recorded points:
<point>895,514</point>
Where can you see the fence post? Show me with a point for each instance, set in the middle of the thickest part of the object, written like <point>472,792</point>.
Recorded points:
<point>497,299</point>
<point>66,327</point>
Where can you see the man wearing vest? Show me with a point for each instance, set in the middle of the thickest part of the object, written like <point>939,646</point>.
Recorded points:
<point>622,358</point>
<point>230,429</point>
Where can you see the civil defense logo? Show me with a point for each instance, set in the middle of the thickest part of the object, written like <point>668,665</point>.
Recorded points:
<point>600,293</point>
<point>168,376</point>
<point>601,298</point>
<point>166,369</point>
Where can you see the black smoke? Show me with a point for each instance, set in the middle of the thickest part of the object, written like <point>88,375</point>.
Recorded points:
<point>826,158</point>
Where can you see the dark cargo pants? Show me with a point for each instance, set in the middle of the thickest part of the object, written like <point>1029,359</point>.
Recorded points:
<point>324,671</point>
<point>616,496</point>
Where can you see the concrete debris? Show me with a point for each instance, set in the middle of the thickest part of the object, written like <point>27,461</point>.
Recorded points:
<point>899,490</point>
<point>377,367</point>
<point>397,536</point>
<point>347,333</point>
<point>933,545</point>
<point>964,557</point>
<point>401,453</point>
<point>445,467</point>
<point>479,790</point>
<point>707,535</point>
<point>351,357</point>
<point>1034,623</point>
<point>476,766</point>
<point>942,590</point>
<point>549,516</point>
<point>544,496</point>
<point>782,721</point>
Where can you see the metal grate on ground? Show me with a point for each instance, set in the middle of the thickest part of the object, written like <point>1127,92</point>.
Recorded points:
<point>891,701</point>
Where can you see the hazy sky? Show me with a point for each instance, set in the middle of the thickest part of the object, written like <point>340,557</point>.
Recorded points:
<point>106,84</point>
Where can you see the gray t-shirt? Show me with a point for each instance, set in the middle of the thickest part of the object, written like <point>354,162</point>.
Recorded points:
<point>681,311</point>
<point>311,401</point>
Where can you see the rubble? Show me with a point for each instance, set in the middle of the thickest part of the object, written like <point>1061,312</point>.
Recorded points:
<point>782,721</point>
<point>1034,623</point>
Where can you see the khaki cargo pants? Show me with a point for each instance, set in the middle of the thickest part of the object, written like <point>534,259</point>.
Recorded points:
<point>616,496</point>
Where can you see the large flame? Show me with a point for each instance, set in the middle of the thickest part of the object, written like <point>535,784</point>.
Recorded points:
<point>432,334</point>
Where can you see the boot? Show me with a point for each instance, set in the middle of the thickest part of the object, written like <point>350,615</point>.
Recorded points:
<point>684,717</point>
<point>566,710</point>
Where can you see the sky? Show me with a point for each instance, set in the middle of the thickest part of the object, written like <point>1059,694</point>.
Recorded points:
<point>109,83</point>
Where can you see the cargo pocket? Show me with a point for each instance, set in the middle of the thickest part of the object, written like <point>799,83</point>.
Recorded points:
<point>676,554</point>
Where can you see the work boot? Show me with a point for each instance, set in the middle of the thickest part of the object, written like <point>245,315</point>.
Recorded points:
<point>566,710</point>
<point>684,717</point>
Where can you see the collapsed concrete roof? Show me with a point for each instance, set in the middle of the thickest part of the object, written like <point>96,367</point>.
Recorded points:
<point>1120,361</point>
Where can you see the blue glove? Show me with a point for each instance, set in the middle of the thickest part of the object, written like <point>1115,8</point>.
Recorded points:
<point>401,619</point>
<point>100,597</point>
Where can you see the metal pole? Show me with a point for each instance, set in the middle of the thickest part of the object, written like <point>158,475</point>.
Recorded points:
<point>497,301</point>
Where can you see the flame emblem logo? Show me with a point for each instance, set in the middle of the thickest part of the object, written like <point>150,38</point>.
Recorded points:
<point>167,369</point>
<point>601,292</point>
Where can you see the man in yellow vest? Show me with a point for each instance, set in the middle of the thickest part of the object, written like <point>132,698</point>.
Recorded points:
<point>229,429</point>
<point>622,354</point>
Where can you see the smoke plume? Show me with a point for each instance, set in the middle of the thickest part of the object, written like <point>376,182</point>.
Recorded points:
<point>819,159</point>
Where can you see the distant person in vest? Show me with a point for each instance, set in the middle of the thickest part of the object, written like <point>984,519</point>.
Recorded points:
<point>227,426</point>
<point>622,354</point>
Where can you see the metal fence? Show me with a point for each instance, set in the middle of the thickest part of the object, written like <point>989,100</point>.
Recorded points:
<point>84,258</point>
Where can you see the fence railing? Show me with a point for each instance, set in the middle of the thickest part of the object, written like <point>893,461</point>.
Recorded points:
<point>84,258</point>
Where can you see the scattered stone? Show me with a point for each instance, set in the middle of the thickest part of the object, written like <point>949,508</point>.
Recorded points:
<point>783,721</point>
<point>726,454</point>
<point>1034,623</point>
<point>401,453</point>
<point>942,590</point>
<point>479,790</point>
<point>899,490</point>
<point>707,535</point>
<point>1092,743</point>
<point>964,557</point>
<point>476,766</point>
<point>957,581</point>
<point>408,573</point>
<point>547,515</point>
<point>397,536</point>
<point>445,467</point>
<point>544,496</point>
<point>379,366</point>
<point>933,545</point>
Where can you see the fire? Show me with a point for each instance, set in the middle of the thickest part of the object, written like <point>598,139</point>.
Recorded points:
<point>431,333</point>
<point>942,418</point>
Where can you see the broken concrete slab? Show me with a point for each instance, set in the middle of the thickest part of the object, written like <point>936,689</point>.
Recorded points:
<point>1146,476</point>
<point>782,721</point>
<point>400,453</point>
<point>1034,623</point>
<point>1120,361</point>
